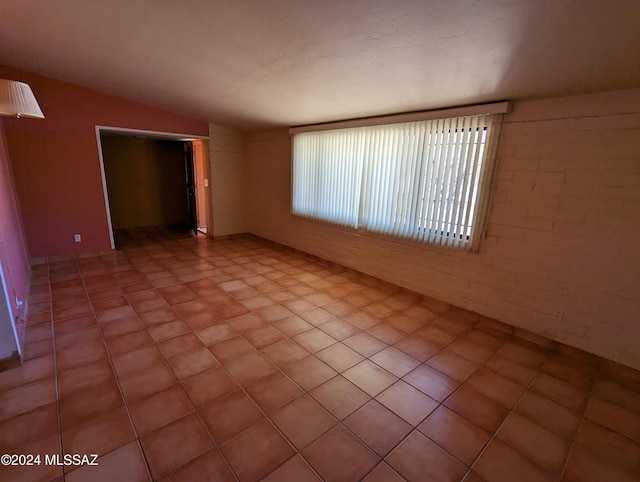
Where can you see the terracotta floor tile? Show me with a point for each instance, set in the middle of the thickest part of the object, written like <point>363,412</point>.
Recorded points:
<point>246,322</point>
<point>550,415</point>
<point>339,329</point>
<point>179,345</point>
<point>264,336</point>
<point>208,386</point>
<point>131,362</point>
<point>369,377</point>
<point>435,335</point>
<point>274,313</point>
<point>30,371</point>
<point>256,451</point>
<point>29,427</point>
<point>73,356</point>
<point>190,308</point>
<point>510,369</point>
<point>383,473</point>
<point>229,415</point>
<point>314,340</point>
<point>608,446</point>
<point>176,294</point>
<point>159,409</point>
<point>292,326</point>
<point>378,427</point>
<point>361,319</point>
<point>365,344</point>
<point>583,466</point>
<point>452,365</point>
<point>157,316</point>
<point>560,392</point>
<point>113,314</point>
<point>146,382</point>
<point>250,329</point>
<point>210,465</point>
<point>215,333</point>
<point>126,463</point>
<point>249,369</point>
<point>403,322</point>
<point>470,351</point>
<point>496,387</point>
<point>148,300</point>
<point>25,398</point>
<point>175,444</point>
<point>407,402</point>
<point>99,435</point>
<point>500,463</point>
<point>339,357</point>
<point>43,472</point>
<point>285,352</point>
<point>477,408</point>
<point>340,397</point>
<point>614,417</point>
<point>526,354</point>
<point>418,458</point>
<point>192,363</point>
<point>273,392</point>
<point>171,329</point>
<point>417,348</point>
<point>74,324</point>
<point>435,384</point>
<point>88,335</point>
<point>302,421</point>
<point>85,404</point>
<point>611,391</point>
<point>395,361</point>
<point>309,372</point>
<point>37,349</point>
<point>228,350</point>
<point>106,303</point>
<point>534,442</point>
<point>293,469</point>
<point>339,456</point>
<point>129,342</point>
<point>455,434</point>
<point>386,333</point>
<point>562,370</point>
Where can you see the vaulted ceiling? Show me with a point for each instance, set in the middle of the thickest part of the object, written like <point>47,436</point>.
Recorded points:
<point>253,64</point>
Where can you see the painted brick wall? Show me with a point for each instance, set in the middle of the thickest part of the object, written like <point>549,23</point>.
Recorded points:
<point>228,181</point>
<point>561,257</point>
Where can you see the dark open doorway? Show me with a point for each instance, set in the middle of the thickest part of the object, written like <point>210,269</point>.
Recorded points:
<point>150,184</point>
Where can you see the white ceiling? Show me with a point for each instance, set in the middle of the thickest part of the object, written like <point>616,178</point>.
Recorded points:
<point>253,64</point>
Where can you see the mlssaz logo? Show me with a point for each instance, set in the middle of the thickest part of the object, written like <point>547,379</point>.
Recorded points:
<point>71,459</point>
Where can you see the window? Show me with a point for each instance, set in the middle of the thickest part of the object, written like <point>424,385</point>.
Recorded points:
<point>425,180</point>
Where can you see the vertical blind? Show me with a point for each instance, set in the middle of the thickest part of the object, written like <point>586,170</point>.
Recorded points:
<point>426,180</point>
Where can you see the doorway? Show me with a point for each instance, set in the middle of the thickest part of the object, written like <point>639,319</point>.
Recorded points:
<point>150,182</point>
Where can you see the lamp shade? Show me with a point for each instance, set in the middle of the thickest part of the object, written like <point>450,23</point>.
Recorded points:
<point>17,100</point>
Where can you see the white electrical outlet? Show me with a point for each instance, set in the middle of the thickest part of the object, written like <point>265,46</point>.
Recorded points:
<point>77,238</point>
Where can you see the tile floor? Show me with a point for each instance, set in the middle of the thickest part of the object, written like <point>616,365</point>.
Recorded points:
<point>192,359</point>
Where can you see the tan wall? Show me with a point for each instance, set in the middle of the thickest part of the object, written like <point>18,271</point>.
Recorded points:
<point>145,181</point>
<point>228,181</point>
<point>563,234</point>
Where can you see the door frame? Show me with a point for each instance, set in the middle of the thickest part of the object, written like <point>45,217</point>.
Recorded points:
<point>170,136</point>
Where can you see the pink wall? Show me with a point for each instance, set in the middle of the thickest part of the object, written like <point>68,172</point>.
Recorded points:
<point>13,248</point>
<point>56,164</point>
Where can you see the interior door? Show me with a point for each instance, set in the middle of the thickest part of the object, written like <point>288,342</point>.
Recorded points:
<point>191,187</point>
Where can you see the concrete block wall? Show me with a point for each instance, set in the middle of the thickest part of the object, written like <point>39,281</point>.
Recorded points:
<point>561,255</point>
